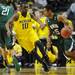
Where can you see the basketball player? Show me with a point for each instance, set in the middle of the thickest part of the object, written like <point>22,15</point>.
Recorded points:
<point>27,37</point>
<point>55,23</point>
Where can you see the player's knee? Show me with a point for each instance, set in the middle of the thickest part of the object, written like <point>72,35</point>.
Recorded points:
<point>40,45</point>
<point>44,41</point>
<point>37,43</point>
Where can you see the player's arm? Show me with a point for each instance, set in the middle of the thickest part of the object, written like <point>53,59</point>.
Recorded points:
<point>10,22</point>
<point>69,24</point>
<point>49,40</point>
<point>49,37</point>
<point>66,21</point>
<point>42,25</point>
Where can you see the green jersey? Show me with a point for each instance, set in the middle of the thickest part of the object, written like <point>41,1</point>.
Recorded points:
<point>55,26</point>
<point>6,12</point>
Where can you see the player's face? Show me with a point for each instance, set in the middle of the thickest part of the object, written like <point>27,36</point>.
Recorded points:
<point>47,12</point>
<point>37,14</point>
<point>24,12</point>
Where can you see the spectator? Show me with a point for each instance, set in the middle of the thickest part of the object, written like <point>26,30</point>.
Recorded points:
<point>71,13</point>
<point>41,2</point>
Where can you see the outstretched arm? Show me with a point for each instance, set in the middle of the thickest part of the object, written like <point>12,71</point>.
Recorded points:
<point>66,21</point>
<point>42,25</point>
<point>10,22</point>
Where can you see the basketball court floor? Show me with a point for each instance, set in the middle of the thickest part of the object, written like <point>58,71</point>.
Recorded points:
<point>39,71</point>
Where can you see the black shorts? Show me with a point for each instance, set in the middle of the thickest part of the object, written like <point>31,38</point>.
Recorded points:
<point>59,43</point>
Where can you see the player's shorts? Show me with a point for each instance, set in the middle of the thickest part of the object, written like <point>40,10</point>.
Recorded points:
<point>4,39</point>
<point>59,43</point>
<point>69,44</point>
<point>28,42</point>
<point>33,36</point>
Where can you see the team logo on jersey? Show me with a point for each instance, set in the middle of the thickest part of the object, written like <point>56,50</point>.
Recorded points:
<point>25,23</point>
<point>53,26</point>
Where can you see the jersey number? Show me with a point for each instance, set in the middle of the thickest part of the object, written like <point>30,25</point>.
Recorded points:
<point>25,26</point>
<point>5,11</point>
<point>56,31</point>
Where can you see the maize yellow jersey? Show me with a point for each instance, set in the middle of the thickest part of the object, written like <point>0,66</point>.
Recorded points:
<point>25,33</point>
<point>43,33</point>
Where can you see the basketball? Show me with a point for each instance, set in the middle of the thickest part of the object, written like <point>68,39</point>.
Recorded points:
<point>66,32</point>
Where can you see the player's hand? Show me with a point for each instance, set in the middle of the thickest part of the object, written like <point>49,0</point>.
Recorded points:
<point>33,26</point>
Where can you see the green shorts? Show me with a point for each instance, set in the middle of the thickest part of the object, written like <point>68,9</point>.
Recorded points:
<point>4,39</point>
<point>69,44</point>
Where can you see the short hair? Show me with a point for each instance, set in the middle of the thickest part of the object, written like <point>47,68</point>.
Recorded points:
<point>49,7</point>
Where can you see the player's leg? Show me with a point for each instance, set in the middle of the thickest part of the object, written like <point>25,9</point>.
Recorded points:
<point>70,54</point>
<point>41,48</point>
<point>44,42</point>
<point>24,58</point>
<point>8,43</point>
<point>34,39</point>
<point>2,40</point>
<point>2,45</point>
<point>61,58</point>
<point>71,51</point>
<point>1,57</point>
<point>31,60</point>
<point>2,52</point>
<point>37,57</point>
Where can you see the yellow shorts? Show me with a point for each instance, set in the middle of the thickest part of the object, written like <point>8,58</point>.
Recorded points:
<point>28,42</point>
